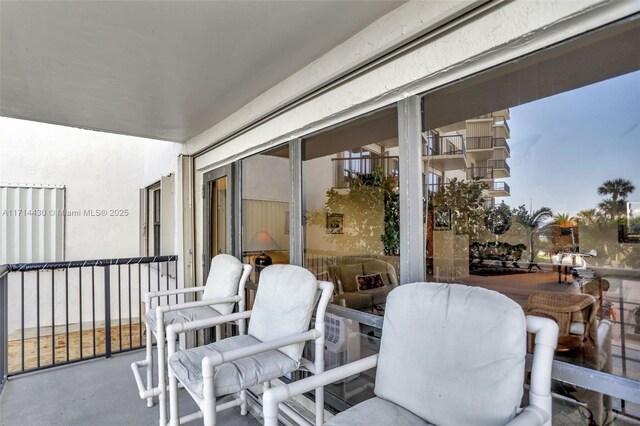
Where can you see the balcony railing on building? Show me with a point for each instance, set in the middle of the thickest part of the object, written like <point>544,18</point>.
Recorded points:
<point>501,121</point>
<point>499,164</point>
<point>347,169</point>
<point>501,168</point>
<point>479,142</point>
<point>501,143</point>
<point>475,143</point>
<point>444,145</point>
<point>480,172</point>
<point>500,189</point>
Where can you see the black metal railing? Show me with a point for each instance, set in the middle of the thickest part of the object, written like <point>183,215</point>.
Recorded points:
<point>499,164</point>
<point>479,142</point>
<point>4,331</point>
<point>501,143</point>
<point>444,145</point>
<point>62,312</point>
<point>501,121</point>
<point>347,169</point>
<point>481,172</point>
<point>501,186</point>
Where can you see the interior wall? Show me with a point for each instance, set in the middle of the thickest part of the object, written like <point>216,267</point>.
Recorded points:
<point>266,177</point>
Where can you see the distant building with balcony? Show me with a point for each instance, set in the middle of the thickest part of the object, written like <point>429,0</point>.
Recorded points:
<point>472,149</point>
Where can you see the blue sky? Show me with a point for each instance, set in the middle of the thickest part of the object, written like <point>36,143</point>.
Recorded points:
<point>564,146</point>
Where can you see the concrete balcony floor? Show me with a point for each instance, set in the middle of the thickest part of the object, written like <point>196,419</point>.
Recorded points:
<point>97,392</point>
<point>102,392</point>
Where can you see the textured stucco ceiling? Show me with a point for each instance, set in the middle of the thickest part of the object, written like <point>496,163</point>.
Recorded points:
<point>160,69</point>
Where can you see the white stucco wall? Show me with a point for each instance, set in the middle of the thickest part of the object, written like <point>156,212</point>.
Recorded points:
<point>99,171</point>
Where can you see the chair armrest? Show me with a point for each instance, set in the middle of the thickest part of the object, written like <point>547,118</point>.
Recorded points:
<point>546,339</point>
<point>530,416</point>
<point>155,294</point>
<point>278,394</point>
<point>208,302</point>
<point>604,328</point>
<point>205,323</point>
<point>219,358</point>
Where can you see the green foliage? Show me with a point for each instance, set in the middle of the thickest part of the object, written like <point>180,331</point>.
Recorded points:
<point>391,236</point>
<point>589,217</point>
<point>614,207</point>
<point>371,210</point>
<point>564,220</point>
<point>498,219</point>
<point>464,200</point>
<point>533,222</point>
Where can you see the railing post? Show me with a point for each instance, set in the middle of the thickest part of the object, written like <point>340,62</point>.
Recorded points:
<point>107,311</point>
<point>4,327</point>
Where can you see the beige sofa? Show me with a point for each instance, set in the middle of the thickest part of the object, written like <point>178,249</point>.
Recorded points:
<point>343,274</point>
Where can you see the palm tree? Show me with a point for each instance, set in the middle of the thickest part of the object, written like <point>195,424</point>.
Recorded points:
<point>533,221</point>
<point>563,220</point>
<point>618,190</point>
<point>588,217</point>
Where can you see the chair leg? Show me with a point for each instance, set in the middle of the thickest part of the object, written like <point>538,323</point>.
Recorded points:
<point>209,413</point>
<point>243,404</point>
<point>162,374</point>
<point>218,333</point>
<point>208,405</point>
<point>149,365</point>
<point>319,368</point>
<point>174,409</point>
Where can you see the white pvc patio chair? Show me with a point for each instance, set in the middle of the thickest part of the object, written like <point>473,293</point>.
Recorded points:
<point>449,355</point>
<point>224,288</point>
<point>278,327</point>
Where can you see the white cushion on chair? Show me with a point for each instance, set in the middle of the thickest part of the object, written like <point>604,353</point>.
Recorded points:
<point>223,280</point>
<point>230,377</point>
<point>577,328</point>
<point>376,411</point>
<point>181,316</point>
<point>284,303</point>
<point>452,354</point>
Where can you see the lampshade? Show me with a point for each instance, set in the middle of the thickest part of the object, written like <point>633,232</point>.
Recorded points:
<point>262,241</point>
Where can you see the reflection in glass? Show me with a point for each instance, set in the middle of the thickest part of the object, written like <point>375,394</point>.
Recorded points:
<point>266,194</point>
<point>350,193</point>
<point>533,191</point>
<point>350,181</point>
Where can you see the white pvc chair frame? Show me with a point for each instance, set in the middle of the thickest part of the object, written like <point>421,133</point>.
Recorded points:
<point>208,405</point>
<point>538,412</point>
<point>147,391</point>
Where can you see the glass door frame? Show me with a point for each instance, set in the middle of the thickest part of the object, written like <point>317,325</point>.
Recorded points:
<point>229,172</point>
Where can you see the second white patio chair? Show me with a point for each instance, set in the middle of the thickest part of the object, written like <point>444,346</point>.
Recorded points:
<point>278,327</point>
<point>224,288</point>
<point>449,355</point>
